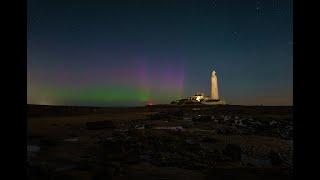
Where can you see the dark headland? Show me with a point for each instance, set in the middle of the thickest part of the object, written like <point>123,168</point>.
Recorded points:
<point>160,142</point>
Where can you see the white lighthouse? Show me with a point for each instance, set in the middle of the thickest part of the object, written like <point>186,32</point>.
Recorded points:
<point>213,99</point>
<point>214,86</point>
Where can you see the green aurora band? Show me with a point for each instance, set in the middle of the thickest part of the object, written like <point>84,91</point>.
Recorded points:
<point>102,95</point>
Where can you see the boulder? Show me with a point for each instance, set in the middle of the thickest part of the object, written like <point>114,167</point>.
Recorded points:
<point>202,118</point>
<point>208,140</point>
<point>99,125</point>
<point>233,151</point>
<point>275,158</point>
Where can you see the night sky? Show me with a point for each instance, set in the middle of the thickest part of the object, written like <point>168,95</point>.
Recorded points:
<point>129,53</point>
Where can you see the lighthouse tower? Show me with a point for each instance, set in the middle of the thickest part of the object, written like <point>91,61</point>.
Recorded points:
<point>214,86</point>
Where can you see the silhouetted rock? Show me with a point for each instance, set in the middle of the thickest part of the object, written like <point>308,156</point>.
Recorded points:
<point>102,173</point>
<point>275,158</point>
<point>39,171</point>
<point>99,125</point>
<point>233,151</point>
<point>202,118</point>
<point>208,140</point>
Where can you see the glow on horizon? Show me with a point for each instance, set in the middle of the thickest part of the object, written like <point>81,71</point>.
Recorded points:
<point>141,84</point>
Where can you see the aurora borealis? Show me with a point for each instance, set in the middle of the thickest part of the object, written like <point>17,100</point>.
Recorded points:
<point>134,83</point>
<point>129,53</point>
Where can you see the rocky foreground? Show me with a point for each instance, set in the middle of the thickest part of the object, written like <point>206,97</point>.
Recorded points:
<point>162,142</point>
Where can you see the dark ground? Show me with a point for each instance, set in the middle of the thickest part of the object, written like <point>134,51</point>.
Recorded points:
<point>160,142</point>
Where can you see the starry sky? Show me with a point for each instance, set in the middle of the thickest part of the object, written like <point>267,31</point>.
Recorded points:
<point>138,52</point>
